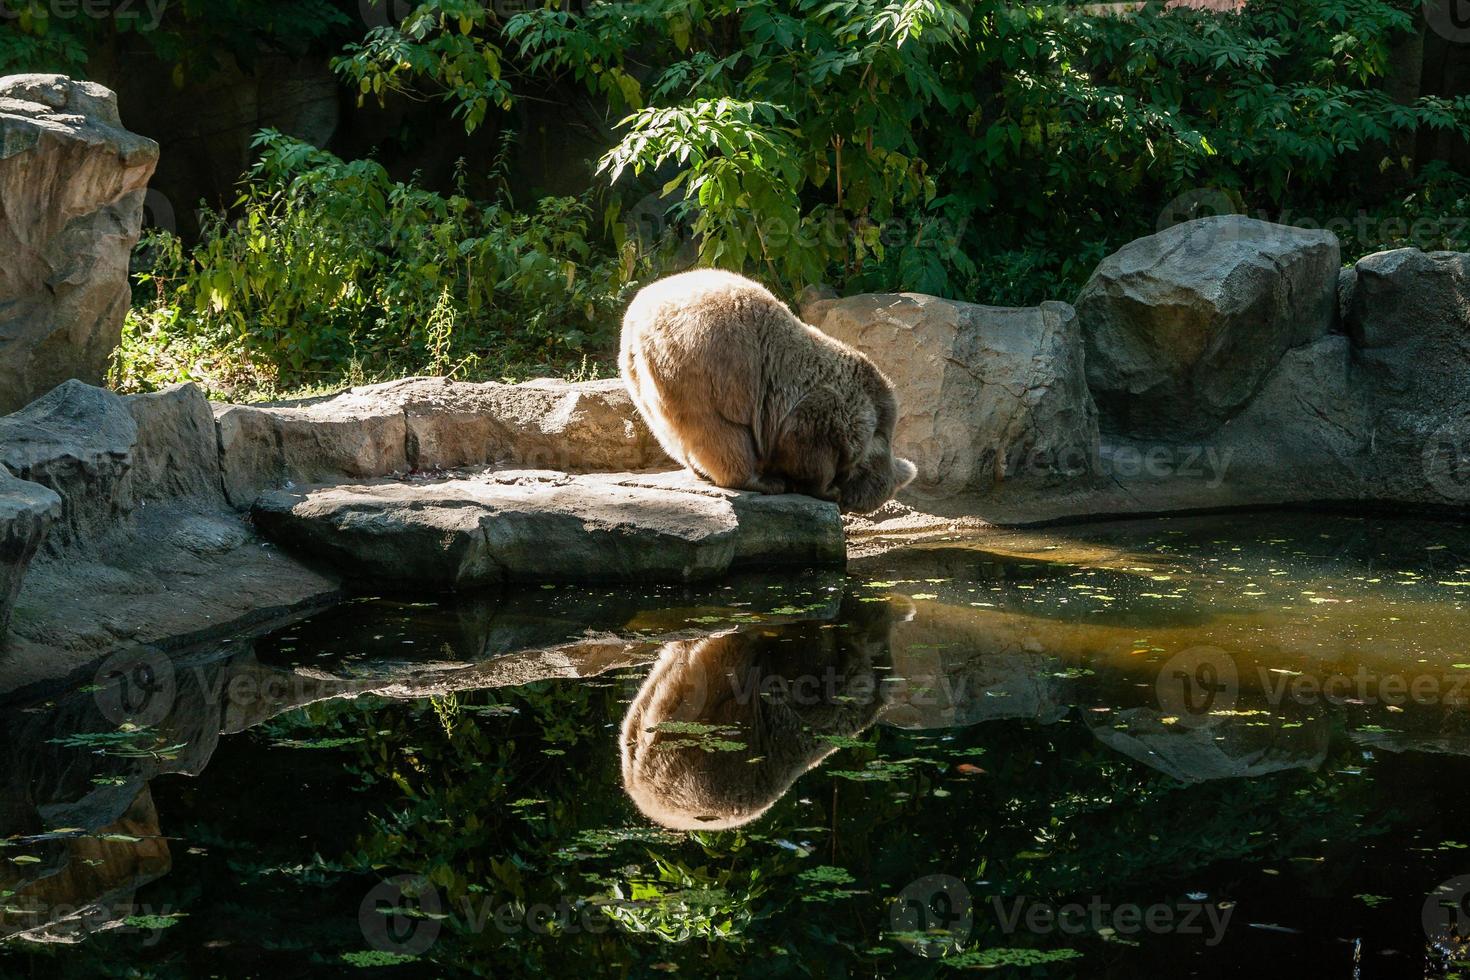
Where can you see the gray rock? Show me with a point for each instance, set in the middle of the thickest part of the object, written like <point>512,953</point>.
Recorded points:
<point>1408,315</point>
<point>430,424</point>
<point>77,440</point>
<point>986,394</point>
<point>170,577</point>
<point>318,440</point>
<point>27,511</point>
<point>1307,434</point>
<point>176,455</point>
<point>72,184</point>
<point>143,548</point>
<point>209,534</point>
<point>539,526</point>
<point>545,424</point>
<point>1184,326</point>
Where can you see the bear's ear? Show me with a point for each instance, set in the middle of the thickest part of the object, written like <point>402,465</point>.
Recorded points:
<point>903,473</point>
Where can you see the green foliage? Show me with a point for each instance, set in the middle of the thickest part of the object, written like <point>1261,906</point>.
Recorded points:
<point>992,151</point>
<point>987,151</point>
<point>444,41</point>
<point>331,270</point>
<point>793,128</point>
<point>192,35</point>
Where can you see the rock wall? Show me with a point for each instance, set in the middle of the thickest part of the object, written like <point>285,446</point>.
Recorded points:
<point>1183,327</point>
<point>127,521</point>
<point>1222,362</point>
<point>986,393</point>
<point>72,186</point>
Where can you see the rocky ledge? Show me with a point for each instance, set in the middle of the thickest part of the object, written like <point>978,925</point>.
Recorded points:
<point>1220,363</point>
<point>1223,362</point>
<point>504,527</point>
<point>165,521</point>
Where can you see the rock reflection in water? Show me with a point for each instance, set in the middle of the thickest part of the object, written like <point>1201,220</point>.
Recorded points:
<point>724,726</point>
<point>752,685</point>
<point>74,787</point>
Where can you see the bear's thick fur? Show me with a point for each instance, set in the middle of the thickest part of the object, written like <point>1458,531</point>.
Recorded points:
<point>743,393</point>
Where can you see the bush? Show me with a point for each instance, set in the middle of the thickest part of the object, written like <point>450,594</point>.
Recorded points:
<point>991,151</point>
<point>330,270</point>
<point>919,144</point>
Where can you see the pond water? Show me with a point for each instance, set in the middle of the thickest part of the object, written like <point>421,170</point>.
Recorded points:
<point>1195,746</point>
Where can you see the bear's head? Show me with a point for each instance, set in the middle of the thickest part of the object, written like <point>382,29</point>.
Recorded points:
<point>876,474</point>
<point>875,480</point>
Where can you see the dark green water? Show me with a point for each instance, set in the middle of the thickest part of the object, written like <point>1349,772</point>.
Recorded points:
<point>1191,747</point>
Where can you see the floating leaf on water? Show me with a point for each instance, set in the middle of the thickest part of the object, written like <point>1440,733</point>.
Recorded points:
<point>152,923</point>
<point>317,743</point>
<point>373,958</point>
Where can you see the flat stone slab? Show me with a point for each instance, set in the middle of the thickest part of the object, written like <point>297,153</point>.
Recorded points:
<point>507,526</point>
<point>431,424</point>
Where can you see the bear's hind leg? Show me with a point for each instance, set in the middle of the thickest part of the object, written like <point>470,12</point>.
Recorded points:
<point>725,455</point>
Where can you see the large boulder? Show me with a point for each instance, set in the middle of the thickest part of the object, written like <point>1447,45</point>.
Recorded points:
<point>176,456</point>
<point>78,441</point>
<point>986,394</point>
<point>72,184</point>
<point>27,511</point>
<point>1225,748</point>
<point>1408,314</point>
<point>1184,326</point>
<point>430,424</point>
<point>541,526</point>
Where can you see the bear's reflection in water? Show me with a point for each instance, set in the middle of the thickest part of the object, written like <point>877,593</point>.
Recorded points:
<point>724,725</point>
